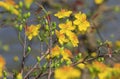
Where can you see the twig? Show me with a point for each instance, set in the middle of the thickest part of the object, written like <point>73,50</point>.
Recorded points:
<point>24,54</point>
<point>50,38</point>
<point>86,58</point>
<point>99,34</point>
<point>50,47</point>
<point>46,53</point>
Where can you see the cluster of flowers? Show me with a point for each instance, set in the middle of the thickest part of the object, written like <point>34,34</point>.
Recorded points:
<point>96,69</point>
<point>102,71</point>
<point>68,29</point>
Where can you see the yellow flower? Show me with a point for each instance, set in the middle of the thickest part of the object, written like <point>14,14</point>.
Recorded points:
<point>2,65</point>
<point>106,74</point>
<point>73,38</point>
<point>103,75</point>
<point>99,66</point>
<point>19,76</point>
<point>61,37</point>
<point>81,65</point>
<point>16,58</point>
<point>66,30</point>
<point>10,6</point>
<point>117,67</point>
<point>80,16</point>
<point>81,21</point>
<point>67,72</point>
<point>65,27</point>
<point>11,2</point>
<point>66,55</point>
<point>63,13</point>
<point>98,1</point>
<point>83,26</point>
<point>32,31</point>
<point>28,3</point>
<point>93,54</point>
<point>101,70</point>
<point>56,51</point>
<point>117,43</point>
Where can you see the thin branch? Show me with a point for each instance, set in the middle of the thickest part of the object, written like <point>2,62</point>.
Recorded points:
<point>50,38</point>
<point>43,74</point>
<point>31,70</point>
<point>24,54</point>
<point>86,59</point>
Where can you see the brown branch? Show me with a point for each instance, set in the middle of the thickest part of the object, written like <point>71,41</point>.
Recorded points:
<point>86,59</point>
<point>43,74</point>
<point>24,54</point>
<point>31,70</point>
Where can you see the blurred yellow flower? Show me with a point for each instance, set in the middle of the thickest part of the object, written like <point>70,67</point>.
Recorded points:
<point>10,6</point>
<point>81,65</point>
<point>93,54</point>
<point>16,58</point>
<point>65,27</point>
<point>6,47</point>
<point>66,55</point>
<point>98,1</point>
<point>19,76</point>
<point>102,71</point>
<point>105,74</point>
<point>63,13</point>
<point>81,22</point>
<point>73,38</point>
<point>28,3</point>
<point>97,66</point>
<point>67,72</point>
<point>61,37</point>
<point>32,31</point>
<point>117,43</point>
<point>117,67</point>
<point>80,16</point>
<point>56,51</point>
<point>2,65</point>
<point>11,2</point>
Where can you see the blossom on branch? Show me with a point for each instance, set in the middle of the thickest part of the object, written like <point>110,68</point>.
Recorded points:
<point>66,55</point>
<point>81,22</point>
<point>63,13</point>
<point>67,72</point>
<point>65,27</point>
<point>73,38</point>
<point>61,37</point>
<point>56,51</point>
<point>32,31</point>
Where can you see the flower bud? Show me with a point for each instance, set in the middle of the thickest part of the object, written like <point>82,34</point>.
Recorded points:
<point>38,59</point>
<point>20,27</point>
<point>29,49</point>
